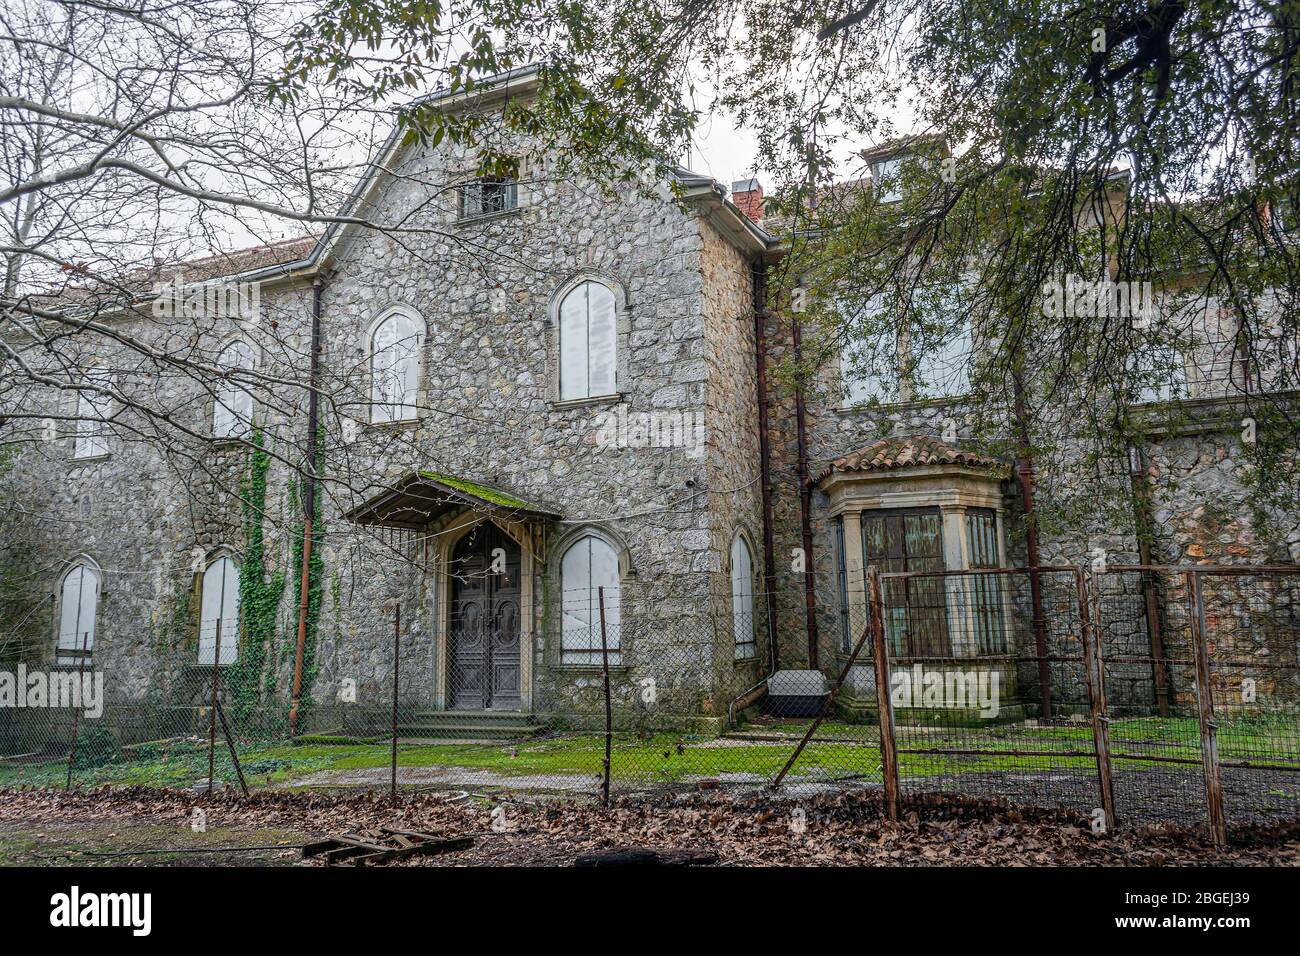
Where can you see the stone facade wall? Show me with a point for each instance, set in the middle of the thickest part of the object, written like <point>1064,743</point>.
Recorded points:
<point>487,294</point>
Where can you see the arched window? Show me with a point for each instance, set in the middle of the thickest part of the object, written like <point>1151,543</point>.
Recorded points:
<point>588,342</point>
<point>394,368</point>
<point>93,410</point>
<point>742,598</point>
<point>220,605</point>
<point>232,416</point>
<point>78,601</point>
<point>588,565</point>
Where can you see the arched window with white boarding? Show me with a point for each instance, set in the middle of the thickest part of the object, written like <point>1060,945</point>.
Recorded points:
<point>395,367</point>
<point>589,565</point>
<point>78,606</point>
<point>588,342</point>
<point>232,415</point>
<point>742,599</point>
<point>219,612</point>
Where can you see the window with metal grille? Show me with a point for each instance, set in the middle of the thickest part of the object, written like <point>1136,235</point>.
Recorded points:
<point>487,195</point>
<point>916,612</point>
<point>986,618</point>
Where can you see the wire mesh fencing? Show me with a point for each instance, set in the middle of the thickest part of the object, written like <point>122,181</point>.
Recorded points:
<point>1123,694</point>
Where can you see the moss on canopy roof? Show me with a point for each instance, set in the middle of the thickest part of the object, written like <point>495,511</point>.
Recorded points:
<point>483,492</point>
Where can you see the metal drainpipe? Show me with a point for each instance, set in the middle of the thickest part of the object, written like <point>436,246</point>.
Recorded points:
<point>759,281</point>
<point>309,505</point>
<point>1025,473</point>
<point>805,506</point>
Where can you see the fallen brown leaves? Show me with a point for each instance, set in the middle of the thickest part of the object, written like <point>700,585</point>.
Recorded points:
<point>843,830</point>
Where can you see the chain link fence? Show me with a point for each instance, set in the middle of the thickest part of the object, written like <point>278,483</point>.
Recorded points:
<point>1124,694</point>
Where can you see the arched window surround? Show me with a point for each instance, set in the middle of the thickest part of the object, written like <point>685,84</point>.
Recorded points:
<point>621,334</point>
<point>76,615</point>
<point>381,374</point>
<point>218,589</point>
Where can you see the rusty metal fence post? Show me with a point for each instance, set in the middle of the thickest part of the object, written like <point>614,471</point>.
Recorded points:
<point>1205,710</point>
<point>884,699</point>
<point>609,707</point>
<point>1095,672</point>
<point>76,711</point>
<point>397,651</point>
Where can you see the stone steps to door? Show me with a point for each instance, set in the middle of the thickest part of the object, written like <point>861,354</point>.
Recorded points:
<point>472,725</point>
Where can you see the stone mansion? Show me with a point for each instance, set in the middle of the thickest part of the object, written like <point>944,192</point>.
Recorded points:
<point>549,395</point>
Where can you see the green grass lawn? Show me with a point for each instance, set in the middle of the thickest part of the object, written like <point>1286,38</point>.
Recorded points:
<point>839,750</point>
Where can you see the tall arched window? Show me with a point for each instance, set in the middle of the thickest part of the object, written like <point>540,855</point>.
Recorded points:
<point>588,342</point>
<point>78,602</point>
<point>93,410</point>
<point>232,416</point>
<point>220,604</point>
<point>742,598</point>
<point>394,368</point>
<point>588,565</point>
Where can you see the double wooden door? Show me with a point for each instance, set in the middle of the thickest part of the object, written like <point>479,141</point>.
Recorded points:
<point>484,647</point>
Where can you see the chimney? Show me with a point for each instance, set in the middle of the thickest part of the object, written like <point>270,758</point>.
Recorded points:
<point>747,194</point>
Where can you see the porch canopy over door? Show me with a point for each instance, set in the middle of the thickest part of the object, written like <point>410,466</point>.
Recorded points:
<point>419,498</point>
<point>484,640</point>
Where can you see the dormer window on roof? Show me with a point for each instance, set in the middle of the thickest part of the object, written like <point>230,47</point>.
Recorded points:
<point>887,174</point>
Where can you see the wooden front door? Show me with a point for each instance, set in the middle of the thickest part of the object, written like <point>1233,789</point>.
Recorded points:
<point>484,650</point>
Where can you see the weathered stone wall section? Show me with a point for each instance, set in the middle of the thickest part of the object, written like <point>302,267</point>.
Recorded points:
<point>490,415</point>
<point>734,493</point>
<point>150,521</point>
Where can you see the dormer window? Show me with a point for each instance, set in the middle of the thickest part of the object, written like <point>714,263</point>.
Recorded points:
<point>887,174</point>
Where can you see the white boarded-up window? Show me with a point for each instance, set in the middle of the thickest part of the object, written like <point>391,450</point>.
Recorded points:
<point>93,410</point>
<point>394,368</point>
<point>742,598</point>
<point>588,565</point>
<point>220,610</point>
<point>78,602</point>
<point>232,416</point>
<point>588,342</point>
